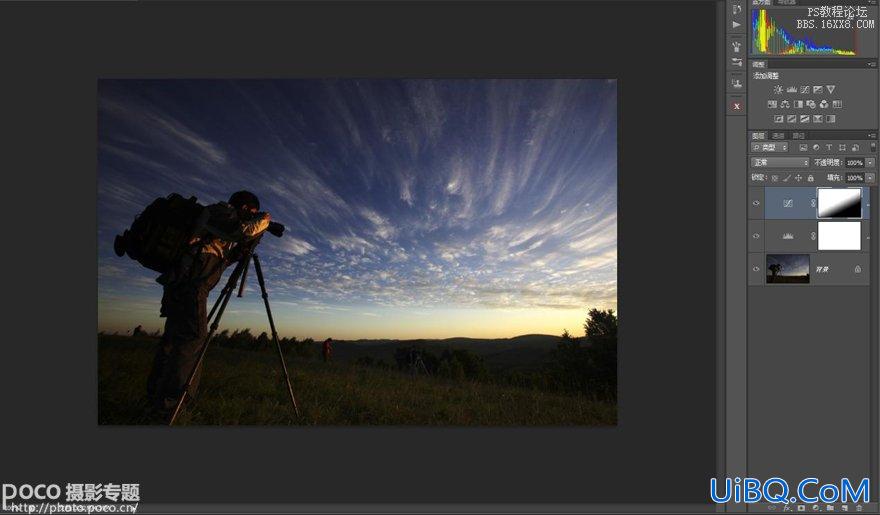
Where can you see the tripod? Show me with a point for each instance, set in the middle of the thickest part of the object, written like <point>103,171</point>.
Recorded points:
<point>239,272</point>
<point>420,365</point>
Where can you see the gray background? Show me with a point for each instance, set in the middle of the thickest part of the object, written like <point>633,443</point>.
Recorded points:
<point>809,383</point>
<point>663,449</point>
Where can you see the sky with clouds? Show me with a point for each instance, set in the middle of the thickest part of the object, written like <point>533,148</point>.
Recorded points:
<point>414,208</point>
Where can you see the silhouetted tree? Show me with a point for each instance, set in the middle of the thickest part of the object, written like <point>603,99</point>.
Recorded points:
<point>305,348</point>
<point>601,332</point>
<point>221,339</point>
<point>402,357</point>
<point>588,364</point>
<point>241,339</point>
<point>451,369</point>
<point>571,364</point>
<point>431,361</point>
<point>461,364</point>
<point>262,342</point>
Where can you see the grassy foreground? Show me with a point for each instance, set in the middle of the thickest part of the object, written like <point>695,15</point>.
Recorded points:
<point>241,387</point>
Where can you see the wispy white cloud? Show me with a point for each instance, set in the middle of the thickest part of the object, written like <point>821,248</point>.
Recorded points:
<point>164,131</point>
<point>382,227</point>
<point>296,246</point>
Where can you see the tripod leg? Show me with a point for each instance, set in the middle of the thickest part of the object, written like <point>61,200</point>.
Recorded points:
<point>216,304</point>
<point>223,301</point>
<point>260,280</point>
<point>244,272</point>
<point>229,286</point>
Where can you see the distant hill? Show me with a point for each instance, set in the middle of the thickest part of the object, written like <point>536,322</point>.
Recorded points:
<point>525,339</point>
<point>520,352</point>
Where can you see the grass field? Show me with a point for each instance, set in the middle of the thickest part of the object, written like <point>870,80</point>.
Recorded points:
<point>788,279</point>
<point>241,387</point>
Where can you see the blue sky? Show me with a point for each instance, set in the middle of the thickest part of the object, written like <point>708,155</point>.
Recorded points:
<point>414,208</point>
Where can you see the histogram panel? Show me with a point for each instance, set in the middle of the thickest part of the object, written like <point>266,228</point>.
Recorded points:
<point>776,33</point>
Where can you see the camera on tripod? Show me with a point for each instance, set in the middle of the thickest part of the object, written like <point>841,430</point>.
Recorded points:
<point>162,233</point>
<point>275,229</point>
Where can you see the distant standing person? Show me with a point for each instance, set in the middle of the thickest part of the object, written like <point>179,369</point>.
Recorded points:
<point>327,349</point>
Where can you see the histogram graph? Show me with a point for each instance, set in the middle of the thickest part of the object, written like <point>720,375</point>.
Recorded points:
<point>774,33</point>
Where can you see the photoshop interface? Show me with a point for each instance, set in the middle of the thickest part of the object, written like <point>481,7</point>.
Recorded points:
<point>429,256</point>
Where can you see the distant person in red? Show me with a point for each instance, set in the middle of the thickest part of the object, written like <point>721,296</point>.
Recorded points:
<point>327,349</point>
